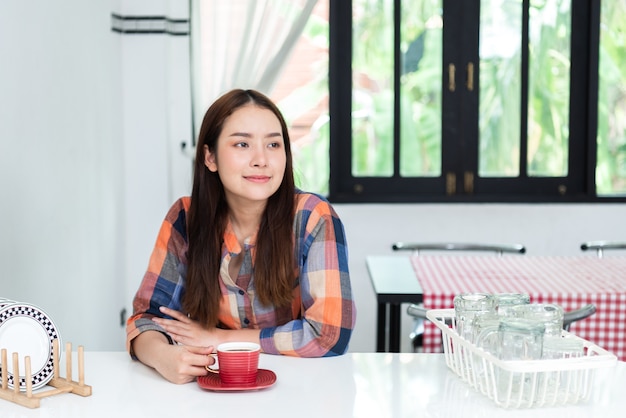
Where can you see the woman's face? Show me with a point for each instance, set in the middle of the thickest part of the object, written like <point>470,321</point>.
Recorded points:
<point>250,157</point>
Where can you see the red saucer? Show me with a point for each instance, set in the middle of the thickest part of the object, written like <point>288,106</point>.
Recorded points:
<point>265,378</point>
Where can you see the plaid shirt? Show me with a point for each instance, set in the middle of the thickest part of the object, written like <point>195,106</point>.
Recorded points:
<point>322,315</point>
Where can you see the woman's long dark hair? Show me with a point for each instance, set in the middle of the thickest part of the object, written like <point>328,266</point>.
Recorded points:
<point>274,265</point>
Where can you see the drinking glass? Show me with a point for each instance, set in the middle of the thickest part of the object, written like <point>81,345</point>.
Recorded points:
<point>467,306</point>
<point>505,302</point>
<point>550,314</point>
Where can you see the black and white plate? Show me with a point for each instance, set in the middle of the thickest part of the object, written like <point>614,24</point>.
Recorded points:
<point>27,330</point>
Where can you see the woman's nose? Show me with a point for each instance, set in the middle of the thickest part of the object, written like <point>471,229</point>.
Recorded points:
<point>259,159</point>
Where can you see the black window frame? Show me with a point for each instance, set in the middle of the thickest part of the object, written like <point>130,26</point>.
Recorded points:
<point>578,186</point>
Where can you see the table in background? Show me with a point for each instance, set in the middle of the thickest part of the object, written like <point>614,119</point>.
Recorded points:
<point>354,385</point>
<point>571,282</point>
<point>394,283</point>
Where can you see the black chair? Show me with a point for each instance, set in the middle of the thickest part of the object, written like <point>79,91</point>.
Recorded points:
<point>418,312</point>
<point>601,246</point>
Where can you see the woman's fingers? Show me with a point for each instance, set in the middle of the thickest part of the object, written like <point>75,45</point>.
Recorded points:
<point>183,329</point>
<point>202,358</point>
<point>179,316</point>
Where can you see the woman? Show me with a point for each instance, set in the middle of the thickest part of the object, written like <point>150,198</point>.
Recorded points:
<point>247,257</point>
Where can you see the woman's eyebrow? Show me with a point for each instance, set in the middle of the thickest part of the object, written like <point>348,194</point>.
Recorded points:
<point>244,134</point>
<point>249,135</point>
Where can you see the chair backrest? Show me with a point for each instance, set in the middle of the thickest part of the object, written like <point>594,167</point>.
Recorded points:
<point>454,246</point>
<point>578,315</point>
<point>601,246</point>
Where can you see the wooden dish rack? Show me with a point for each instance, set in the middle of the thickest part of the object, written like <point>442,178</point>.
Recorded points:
<point>60,384</point>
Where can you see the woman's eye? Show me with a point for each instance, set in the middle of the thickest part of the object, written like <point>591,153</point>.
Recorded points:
<point>241,144</point>
<point>274,145</point>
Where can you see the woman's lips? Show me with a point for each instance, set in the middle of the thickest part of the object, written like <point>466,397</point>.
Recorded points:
<point>258,179</point>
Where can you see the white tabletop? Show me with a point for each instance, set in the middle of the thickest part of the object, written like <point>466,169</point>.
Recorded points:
<point>393,275</point>
<point>354,385</point>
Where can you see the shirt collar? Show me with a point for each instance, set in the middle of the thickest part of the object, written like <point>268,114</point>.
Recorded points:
<point>231,242</point>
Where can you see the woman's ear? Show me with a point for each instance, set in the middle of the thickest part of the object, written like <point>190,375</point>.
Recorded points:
<point>209,159</point>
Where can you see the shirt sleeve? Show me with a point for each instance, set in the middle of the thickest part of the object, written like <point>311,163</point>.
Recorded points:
<point>328,311</point>
<point>163,281</point>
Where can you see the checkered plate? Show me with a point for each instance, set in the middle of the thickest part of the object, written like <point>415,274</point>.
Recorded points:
<point>27,330</point>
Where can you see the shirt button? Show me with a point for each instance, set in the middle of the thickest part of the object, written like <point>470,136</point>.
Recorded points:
<point>246,321</point>
<point>241,292</point>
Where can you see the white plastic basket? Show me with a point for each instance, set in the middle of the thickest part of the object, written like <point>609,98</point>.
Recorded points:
<point>522,383</point>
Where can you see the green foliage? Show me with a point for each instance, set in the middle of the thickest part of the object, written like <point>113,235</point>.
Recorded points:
<point>611,137</point>
<point>499,95</point>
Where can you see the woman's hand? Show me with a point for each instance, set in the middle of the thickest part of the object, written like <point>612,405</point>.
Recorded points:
<point>185,363</point>
<point>176,363</point>
<point>187,331</point>
<point>191,335</point>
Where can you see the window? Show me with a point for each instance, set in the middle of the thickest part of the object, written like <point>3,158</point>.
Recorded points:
<point>279,47</point>
<point>302,95</point>
<point>611,123</point>
<point>493,100</point>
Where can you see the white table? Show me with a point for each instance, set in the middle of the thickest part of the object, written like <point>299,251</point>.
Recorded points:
<point>354,385</point>
<point>394,283</point>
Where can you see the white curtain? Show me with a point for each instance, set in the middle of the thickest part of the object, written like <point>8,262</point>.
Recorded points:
<point>241,44</point>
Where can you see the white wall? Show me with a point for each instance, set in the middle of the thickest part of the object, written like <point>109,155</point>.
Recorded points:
<point>91,123</point>
<point>60,152</point>
<point>156,109</point>
<point>90,127</point>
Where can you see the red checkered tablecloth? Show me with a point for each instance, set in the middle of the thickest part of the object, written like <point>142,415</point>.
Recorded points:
<point>568,281</point>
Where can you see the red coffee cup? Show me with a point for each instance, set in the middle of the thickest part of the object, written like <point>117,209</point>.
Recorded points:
<point>237,363</point>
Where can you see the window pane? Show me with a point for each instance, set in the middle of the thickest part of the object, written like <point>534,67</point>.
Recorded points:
<point>249,44</point>
<point>372,88</point>
<point>549,88</point>
<point>611,138</point>
<point>500,57</point>
<point>420,84</point>
<point>302,95</point>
